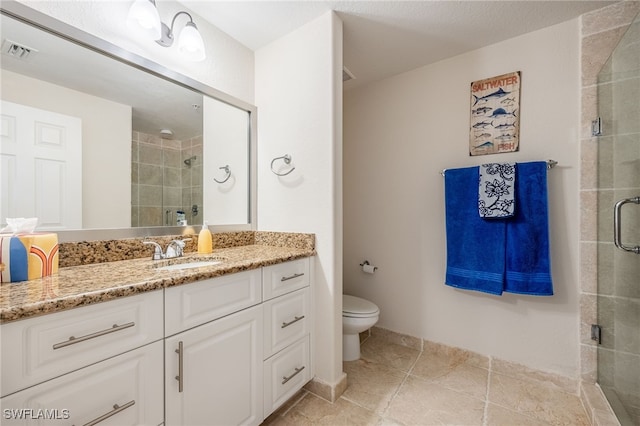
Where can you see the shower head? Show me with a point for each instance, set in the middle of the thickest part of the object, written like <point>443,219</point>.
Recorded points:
<point>189,160</point>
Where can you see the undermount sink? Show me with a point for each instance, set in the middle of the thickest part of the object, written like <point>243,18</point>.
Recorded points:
<point>186,263</point>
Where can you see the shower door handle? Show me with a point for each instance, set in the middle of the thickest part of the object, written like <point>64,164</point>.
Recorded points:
<point>617,225</point>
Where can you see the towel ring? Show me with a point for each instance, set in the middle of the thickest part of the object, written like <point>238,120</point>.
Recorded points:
<point>227,170</point>
<point>287,160</point>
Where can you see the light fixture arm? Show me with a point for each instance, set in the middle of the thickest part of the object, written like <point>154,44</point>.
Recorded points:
<point>166,38</point>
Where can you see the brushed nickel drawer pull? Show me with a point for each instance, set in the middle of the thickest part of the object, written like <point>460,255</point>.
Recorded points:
<point>291,277</point>
<point>180,375</point>
<point>294,320</point>
<point>116,409</point>
<point>285,379</point>
<point>73,340</point>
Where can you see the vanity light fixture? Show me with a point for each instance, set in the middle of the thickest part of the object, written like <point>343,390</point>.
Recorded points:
<point>144,18</point>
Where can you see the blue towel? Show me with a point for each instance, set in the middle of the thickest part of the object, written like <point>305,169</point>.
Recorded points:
<point>491,255</point>
<point>475,247</point>
<point>528,265</point>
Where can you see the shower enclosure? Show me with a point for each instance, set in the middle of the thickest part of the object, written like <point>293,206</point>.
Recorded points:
<point>618,131</point>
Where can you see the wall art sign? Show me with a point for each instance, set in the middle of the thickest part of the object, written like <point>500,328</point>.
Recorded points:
<point>495,115</point>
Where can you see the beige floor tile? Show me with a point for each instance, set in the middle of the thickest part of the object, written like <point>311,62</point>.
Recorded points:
<point>371,385</point>
<point>535,399</point>
<point>423,403</point>
<point>378,350</point>
<point>500,416</point>
<point>312,410</point>
<point>454,356</point>
<point>453,373</point>
<point>521,372</point>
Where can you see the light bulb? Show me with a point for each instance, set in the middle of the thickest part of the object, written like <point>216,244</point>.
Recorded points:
<point>190,43</point>
<point>143,18</point>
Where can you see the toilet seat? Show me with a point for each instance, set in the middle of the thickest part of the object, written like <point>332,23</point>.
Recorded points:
<point>355,307</point>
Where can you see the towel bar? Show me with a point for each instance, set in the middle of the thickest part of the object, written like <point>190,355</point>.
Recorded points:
<point>550,165</point>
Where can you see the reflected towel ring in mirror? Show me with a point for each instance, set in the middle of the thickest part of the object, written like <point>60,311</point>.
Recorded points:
<point>287,160</point>
<point>227,170</point>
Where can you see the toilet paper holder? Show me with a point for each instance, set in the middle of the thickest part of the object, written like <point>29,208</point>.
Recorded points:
<point>367,267</point>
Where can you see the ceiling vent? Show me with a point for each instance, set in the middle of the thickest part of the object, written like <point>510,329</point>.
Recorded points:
<point>346,75</point>
<point>17,50</point>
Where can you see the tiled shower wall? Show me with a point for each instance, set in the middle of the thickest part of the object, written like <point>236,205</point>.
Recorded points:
<point>161,182</point>
<point>602,30</point>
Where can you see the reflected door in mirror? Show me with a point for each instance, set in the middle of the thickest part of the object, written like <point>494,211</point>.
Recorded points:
<point>41,167</point>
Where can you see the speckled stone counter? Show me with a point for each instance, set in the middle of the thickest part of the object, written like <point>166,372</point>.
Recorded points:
<point>86,284</point>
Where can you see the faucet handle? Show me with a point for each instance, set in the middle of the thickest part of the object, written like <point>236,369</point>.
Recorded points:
<point>176,248</point>
<point>157,253</point>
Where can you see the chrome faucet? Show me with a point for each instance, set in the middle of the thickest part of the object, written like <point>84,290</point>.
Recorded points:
<point>174,249</point>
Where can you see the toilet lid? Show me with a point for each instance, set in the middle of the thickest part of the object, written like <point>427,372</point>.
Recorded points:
<point>354,306</point>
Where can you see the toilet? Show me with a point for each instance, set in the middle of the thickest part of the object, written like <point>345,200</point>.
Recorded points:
<point>358,315</point>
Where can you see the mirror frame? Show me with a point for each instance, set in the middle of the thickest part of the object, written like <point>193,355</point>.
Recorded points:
<point>75,35</point>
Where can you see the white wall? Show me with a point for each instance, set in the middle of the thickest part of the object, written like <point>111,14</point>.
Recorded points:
<point>228,67</point>
<point>299,100</point>
<point>399,134</point>
<point>106,145</point>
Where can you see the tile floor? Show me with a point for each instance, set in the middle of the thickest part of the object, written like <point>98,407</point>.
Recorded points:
<point>397,385</point>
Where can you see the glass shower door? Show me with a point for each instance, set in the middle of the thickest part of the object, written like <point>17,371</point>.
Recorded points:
<point>619,228</point>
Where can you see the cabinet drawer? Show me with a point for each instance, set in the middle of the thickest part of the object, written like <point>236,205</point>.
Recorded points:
<point>41,348</point>
<point>190,305</point>
<point>285,277</point>
<point>286,373</point>
<point>286,319</point>
<point>133,381</point>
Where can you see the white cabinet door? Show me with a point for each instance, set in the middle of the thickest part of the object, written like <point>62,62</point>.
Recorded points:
<point>124,390</point>
<point>214,372</point>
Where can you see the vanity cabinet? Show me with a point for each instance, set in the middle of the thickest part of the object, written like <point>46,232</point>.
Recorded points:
<point>222,351</point>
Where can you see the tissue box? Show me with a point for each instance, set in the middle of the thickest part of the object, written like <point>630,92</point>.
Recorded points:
<point>28,256</point>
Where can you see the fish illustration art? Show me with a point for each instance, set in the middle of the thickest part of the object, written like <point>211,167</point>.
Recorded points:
<point>501,112</point>
<point>497,94</point>
<point>503,126</point>
<point>508,101</point>
<point>481,125</point>
<point>487,144</point>
<point>505,137</point>
<point>483,136</point>
<point>481,110</point>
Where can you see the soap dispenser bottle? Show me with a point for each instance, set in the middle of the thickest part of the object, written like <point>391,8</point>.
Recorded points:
<point>205,240</point>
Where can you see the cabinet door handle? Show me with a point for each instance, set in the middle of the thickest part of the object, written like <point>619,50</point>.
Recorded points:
<point>294,320</point>
<point>73,340</point>
<point>297,371</point>
<point>180,375</point>
<point>116,409</point>
<point>291,277</point>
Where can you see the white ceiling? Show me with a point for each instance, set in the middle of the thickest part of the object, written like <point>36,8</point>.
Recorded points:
<point>384,38</point>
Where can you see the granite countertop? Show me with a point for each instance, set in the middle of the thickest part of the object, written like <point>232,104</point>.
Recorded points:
<point>99,282</point>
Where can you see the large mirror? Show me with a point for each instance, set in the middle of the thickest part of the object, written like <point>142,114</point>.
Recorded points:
<point>95,138</point>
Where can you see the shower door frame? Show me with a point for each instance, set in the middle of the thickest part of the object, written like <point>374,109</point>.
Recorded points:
<point>618,241</point>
